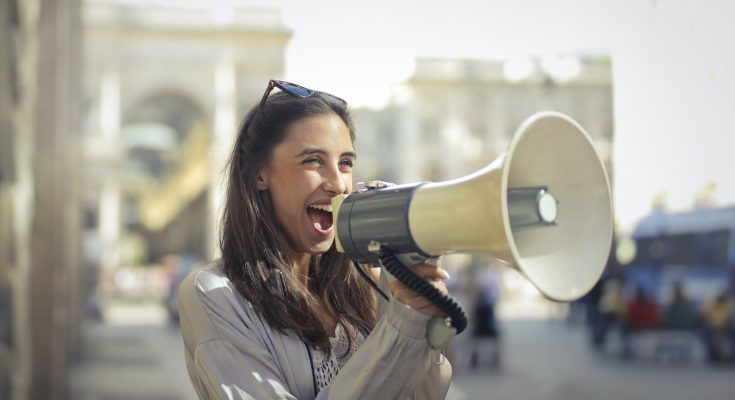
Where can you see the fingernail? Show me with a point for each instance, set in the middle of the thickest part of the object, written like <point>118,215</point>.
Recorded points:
<point>444,273</point>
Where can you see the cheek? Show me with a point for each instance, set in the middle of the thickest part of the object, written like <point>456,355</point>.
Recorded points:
<point>286,204</point>
<point>290,197</point>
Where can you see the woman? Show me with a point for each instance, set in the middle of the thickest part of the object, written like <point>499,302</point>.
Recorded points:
<point>282,314</point>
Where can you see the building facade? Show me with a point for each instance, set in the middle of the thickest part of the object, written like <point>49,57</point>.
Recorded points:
<point>451,117</point>
<point>165,88</point>
<point>116,118</point>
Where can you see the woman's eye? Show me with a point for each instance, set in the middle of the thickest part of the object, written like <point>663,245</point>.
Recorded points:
<point>312,161</point>
<point>347,163</point>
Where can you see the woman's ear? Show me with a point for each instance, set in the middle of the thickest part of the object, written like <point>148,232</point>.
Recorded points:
<point>261,181</point>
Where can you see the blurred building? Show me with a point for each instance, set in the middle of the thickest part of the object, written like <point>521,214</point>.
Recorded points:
<point>116,117</point>
<point>454,116</point>
<point>164,89</point>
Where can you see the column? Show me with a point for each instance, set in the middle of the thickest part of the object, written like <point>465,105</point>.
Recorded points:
<point>222,141</point>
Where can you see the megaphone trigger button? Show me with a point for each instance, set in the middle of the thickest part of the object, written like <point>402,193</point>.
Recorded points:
<point>374,247</point>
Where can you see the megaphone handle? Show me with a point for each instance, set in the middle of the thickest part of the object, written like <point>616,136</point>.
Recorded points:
<point>439,332</point>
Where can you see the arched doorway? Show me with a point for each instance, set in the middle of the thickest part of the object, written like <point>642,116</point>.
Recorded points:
<point>165,198</point>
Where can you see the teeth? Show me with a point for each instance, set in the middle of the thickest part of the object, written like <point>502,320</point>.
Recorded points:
<point>323,207</point>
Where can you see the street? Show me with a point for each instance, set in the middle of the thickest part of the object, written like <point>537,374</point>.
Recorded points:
<point>541,359</point>
<point>551,360</point>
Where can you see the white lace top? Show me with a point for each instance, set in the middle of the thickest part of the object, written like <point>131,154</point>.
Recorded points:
<point>327,365</point>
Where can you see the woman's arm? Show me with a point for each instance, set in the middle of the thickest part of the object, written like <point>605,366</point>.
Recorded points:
<point>396,360</point>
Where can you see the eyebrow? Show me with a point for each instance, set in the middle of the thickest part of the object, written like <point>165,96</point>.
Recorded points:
<point>314,150</point>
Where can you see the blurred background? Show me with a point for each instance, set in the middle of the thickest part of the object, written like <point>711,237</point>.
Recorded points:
<point>116,117</point>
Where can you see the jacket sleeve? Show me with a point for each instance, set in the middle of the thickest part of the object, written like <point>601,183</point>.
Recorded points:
<point>395,362</point>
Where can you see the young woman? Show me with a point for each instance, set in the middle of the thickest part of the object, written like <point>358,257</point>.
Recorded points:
<point>282,314</point>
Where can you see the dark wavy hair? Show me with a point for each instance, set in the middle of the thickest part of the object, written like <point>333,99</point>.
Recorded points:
<point>253,246</point>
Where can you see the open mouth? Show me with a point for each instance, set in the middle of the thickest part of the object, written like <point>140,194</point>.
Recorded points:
<point>320,216</point>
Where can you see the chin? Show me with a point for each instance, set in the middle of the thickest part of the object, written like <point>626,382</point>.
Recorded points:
<point>321,247</point>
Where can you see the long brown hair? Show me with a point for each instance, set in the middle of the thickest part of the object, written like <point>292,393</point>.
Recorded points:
<point>254,255</point>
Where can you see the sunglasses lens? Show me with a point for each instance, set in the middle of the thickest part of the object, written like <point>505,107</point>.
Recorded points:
<point>296,90</point>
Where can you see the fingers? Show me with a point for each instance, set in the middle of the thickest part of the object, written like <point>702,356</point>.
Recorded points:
<point>435,276</point>
<point>430,271</point>
<point>402,292</point>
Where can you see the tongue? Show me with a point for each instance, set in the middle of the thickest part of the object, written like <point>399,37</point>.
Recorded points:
<point>322,220</point>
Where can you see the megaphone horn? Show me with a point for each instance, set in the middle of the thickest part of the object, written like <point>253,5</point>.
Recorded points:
<point>544,207</point>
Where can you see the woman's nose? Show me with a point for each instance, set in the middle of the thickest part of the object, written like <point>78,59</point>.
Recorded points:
<point>335,182</point>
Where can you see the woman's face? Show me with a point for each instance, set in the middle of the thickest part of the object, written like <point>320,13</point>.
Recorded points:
<point>312,165</point>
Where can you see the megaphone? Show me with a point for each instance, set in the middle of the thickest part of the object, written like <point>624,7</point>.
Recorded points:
<point>544,207</point>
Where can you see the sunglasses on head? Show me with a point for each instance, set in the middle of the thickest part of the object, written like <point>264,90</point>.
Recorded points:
<point>294,90</point>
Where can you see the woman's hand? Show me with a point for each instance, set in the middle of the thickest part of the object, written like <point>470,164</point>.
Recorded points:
<point>435,276</point>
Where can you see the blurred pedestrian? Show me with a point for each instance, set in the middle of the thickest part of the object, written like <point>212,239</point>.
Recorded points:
<point>459,349</point>
<point>641,313</point>
<point>680,313</point>
<point>485,329</point>
<point>171,266</point>
<point>282,314</point>
<point>611,311</point>
<point>717,326</point>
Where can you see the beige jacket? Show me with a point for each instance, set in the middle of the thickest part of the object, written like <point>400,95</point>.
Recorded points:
<point>232,353</point>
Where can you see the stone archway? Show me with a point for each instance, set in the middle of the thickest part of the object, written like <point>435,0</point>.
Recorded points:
<point>165,211</point>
